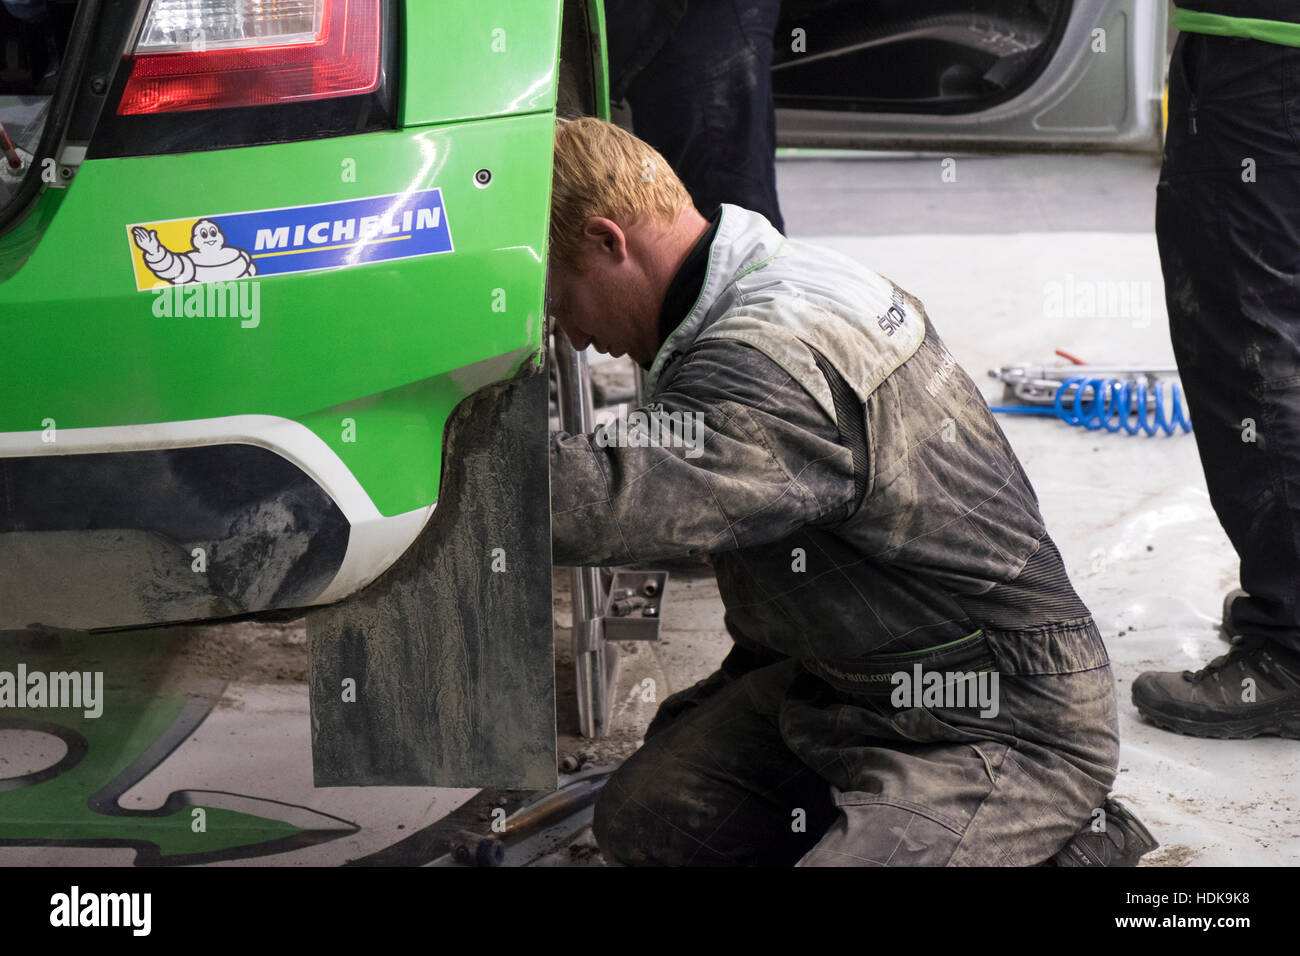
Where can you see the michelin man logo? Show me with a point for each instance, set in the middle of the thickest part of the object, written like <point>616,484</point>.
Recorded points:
<point>225,247</point>
<point>210,259</point>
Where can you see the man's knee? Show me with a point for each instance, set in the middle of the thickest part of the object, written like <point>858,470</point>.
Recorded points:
<point>632,814</point>
<point>614,831</point>
<point>660,813</point>
<point>715,786</point>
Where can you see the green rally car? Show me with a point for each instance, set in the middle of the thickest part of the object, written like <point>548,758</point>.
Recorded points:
<point>272,328</point>
<point>252,255</point>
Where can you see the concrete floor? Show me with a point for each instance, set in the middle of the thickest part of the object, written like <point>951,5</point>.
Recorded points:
<point>890,194</point>
<point>986,254</point>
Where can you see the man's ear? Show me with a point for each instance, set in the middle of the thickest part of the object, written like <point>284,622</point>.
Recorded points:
<point>605,238</point>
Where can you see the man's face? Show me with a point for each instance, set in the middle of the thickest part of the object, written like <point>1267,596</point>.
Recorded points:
<point>607,301</point>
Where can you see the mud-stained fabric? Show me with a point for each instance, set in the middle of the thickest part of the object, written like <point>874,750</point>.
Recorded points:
<point>718,784</point>
<point>945,563</point>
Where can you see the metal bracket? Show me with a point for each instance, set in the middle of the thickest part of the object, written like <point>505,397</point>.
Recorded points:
<point>632,608</point>
<point>588,636</point>
<point>70,159</point>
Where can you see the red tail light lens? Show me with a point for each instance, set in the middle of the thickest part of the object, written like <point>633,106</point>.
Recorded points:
<point>218,54</point>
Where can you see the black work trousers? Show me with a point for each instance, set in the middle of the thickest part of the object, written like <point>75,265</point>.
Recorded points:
<point>1228,225</point>
<point>704,97</point>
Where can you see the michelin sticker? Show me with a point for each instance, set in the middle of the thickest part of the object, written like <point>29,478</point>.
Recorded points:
<point>273,242</point>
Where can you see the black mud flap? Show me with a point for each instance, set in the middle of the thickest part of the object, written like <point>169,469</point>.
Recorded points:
<point>441,672</point>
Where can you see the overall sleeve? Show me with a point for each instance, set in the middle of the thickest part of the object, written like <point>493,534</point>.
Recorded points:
<point>761,460</point>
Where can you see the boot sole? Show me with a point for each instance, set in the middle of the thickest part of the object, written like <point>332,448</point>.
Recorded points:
<point>1276,725</point>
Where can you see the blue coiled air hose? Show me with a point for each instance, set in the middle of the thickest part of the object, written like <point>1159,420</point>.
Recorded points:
<point>1112,404</point>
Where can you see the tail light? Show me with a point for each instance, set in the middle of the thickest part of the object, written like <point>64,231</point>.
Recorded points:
<point>216,54</point>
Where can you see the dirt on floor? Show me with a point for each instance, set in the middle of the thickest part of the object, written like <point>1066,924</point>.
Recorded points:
<point>276,653</point>
<point>247,651</point>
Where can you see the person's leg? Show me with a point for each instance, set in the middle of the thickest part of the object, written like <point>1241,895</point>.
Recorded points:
<point>716,786</point>
<point>743,658</point>
<point>705,102</point>
<point>1228,226</point>
<point>635,32</point>
<point>938,786</point>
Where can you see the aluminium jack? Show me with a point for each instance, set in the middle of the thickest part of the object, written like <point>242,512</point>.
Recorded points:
<point>629,610</point>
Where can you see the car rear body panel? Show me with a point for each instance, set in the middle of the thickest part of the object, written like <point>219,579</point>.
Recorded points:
<point>467,59</point>
<point>348,372</point>
<point>100,355</point>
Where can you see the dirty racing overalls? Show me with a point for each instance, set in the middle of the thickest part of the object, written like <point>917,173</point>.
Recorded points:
<point>866,519</point>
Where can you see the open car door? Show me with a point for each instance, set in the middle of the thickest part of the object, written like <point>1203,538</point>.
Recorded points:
<point>971,74</point>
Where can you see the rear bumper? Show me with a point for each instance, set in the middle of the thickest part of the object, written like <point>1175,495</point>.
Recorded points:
<point>147,524</point>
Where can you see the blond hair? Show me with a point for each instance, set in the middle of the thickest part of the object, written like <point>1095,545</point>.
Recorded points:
<point>603,170</point>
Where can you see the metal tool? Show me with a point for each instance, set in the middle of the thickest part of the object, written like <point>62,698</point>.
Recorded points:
<point>629,609</point>
<point>595,660</point>
<point>1116,397</point>
<point>7,148</point>
<point>476,849</point>
<point>1039,384</point>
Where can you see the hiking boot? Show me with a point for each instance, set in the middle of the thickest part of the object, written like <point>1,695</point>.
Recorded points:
<point>1251,690</point>
<point>1121,842</point>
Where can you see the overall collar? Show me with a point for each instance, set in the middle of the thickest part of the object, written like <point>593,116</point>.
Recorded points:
<point>686,284</point>
<point>742,241</point>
